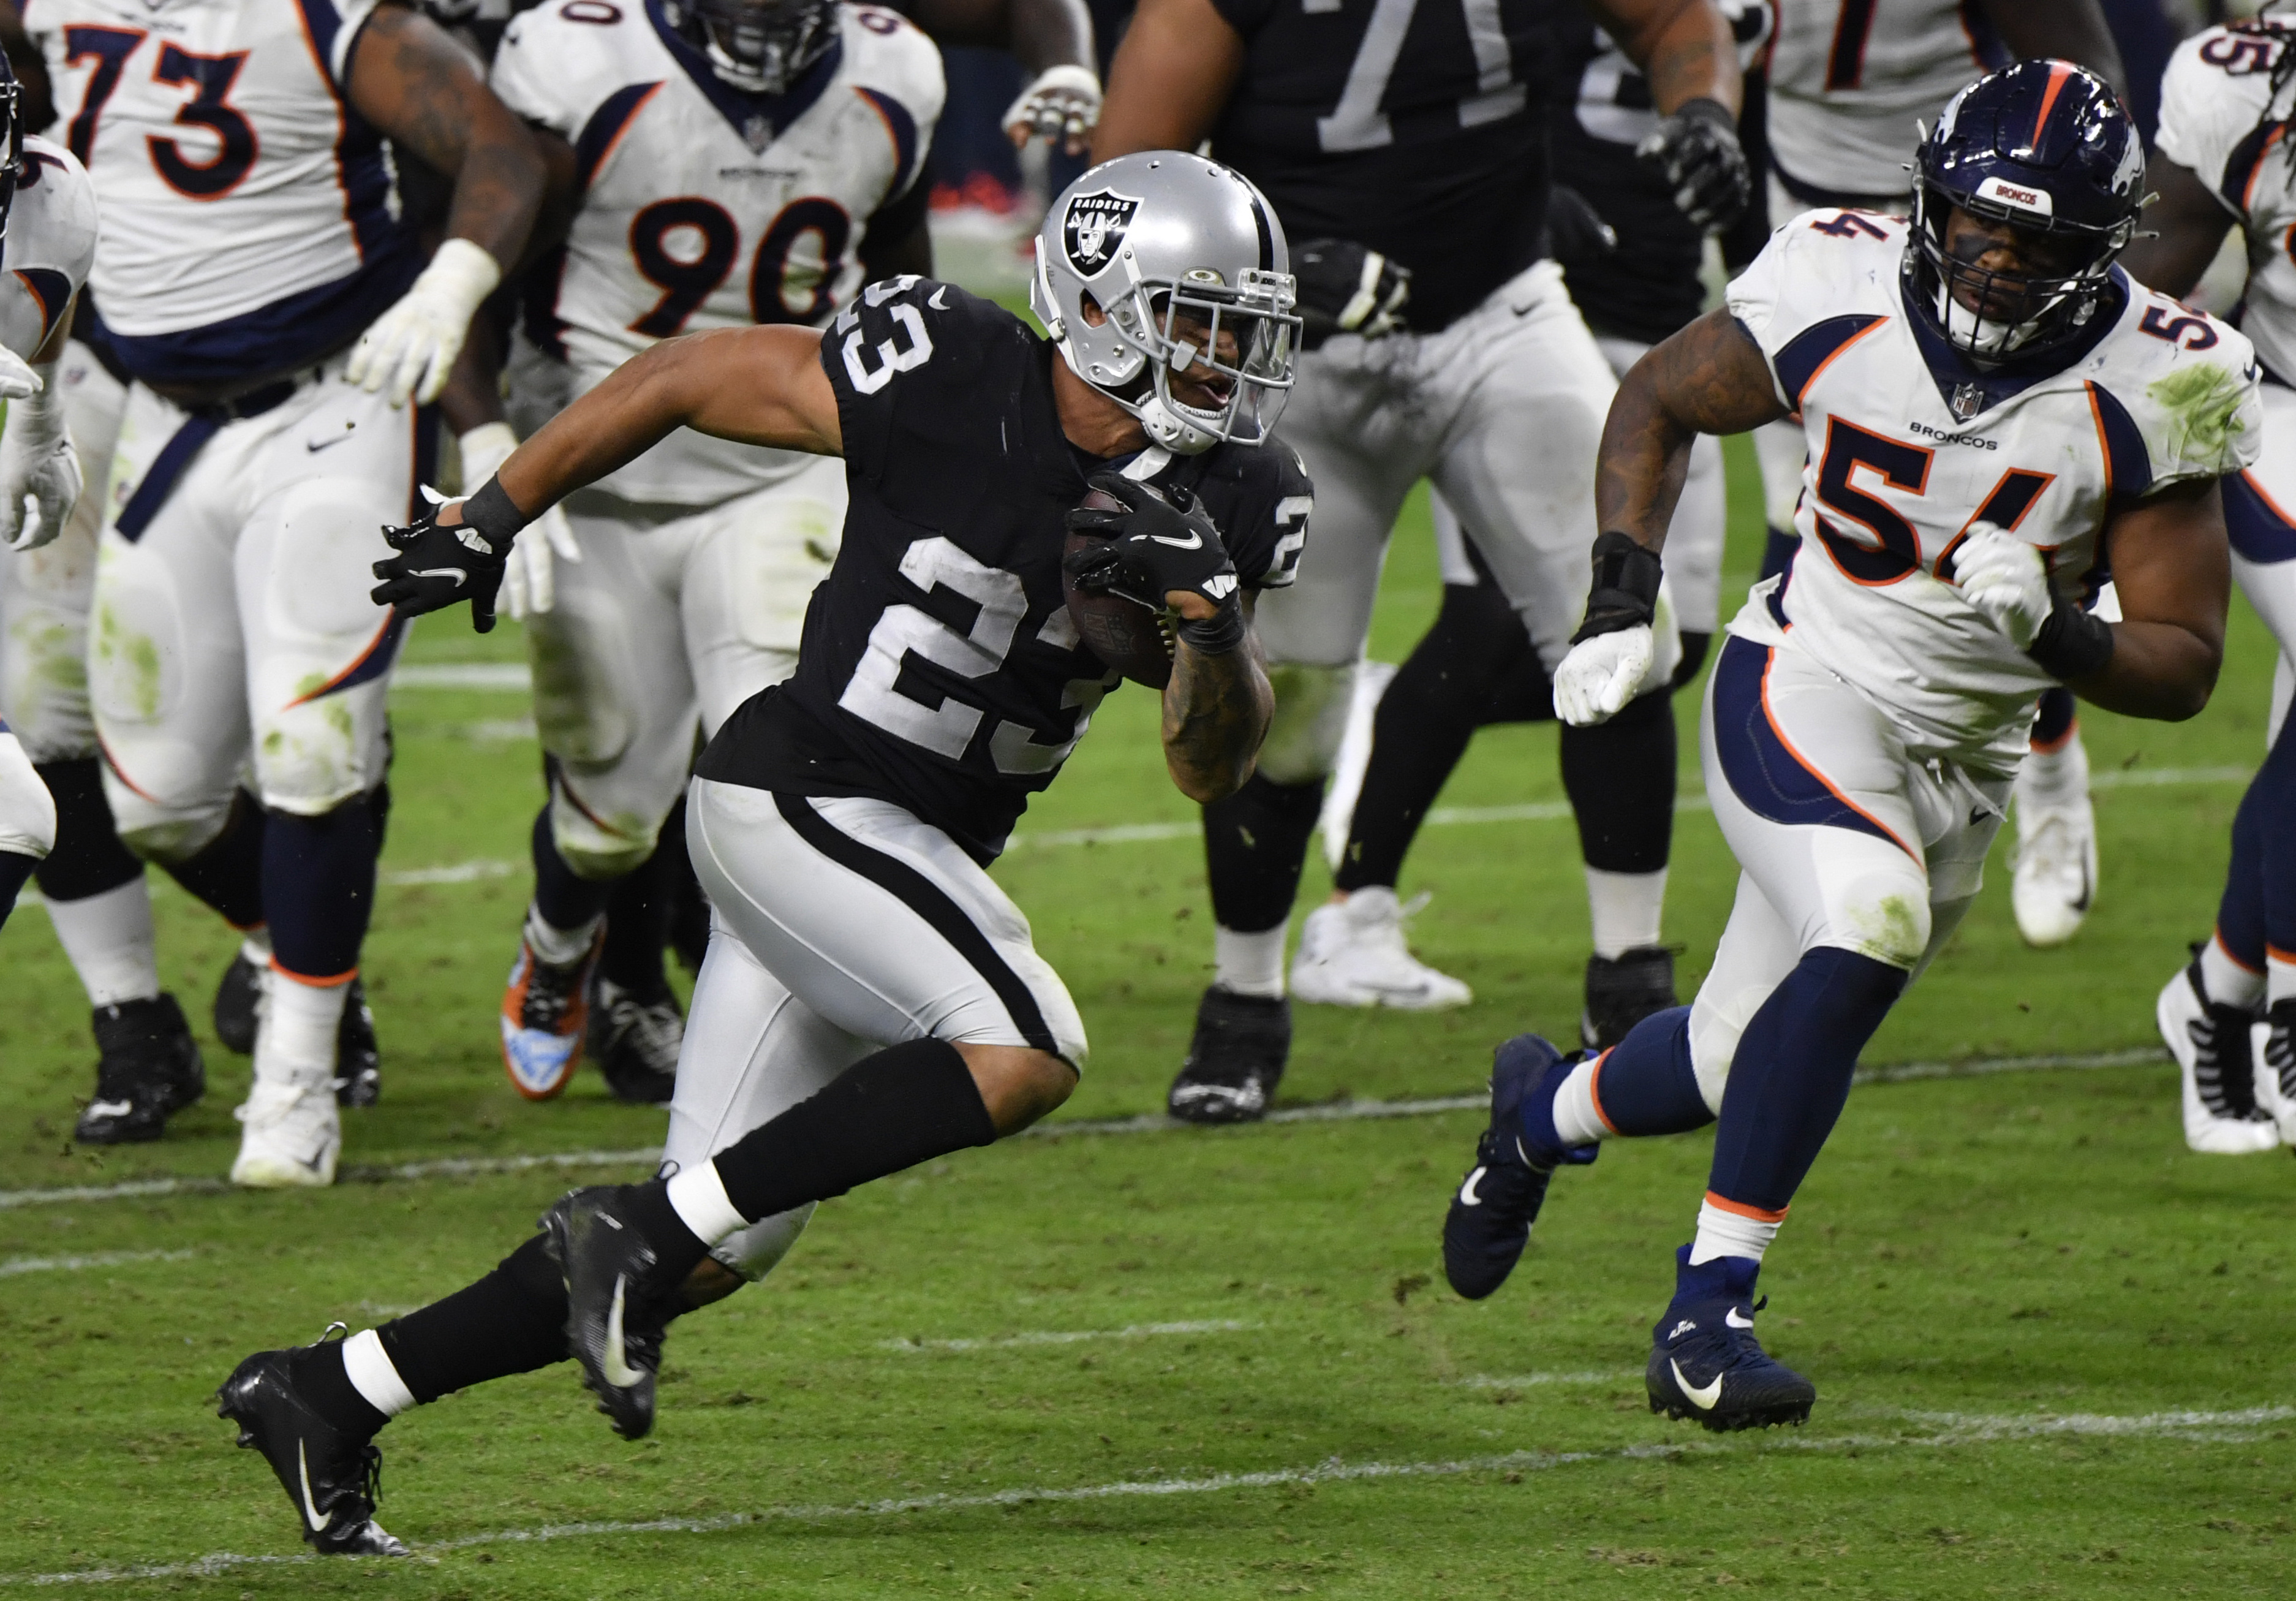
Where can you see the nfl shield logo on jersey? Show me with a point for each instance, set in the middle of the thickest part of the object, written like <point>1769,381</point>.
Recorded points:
<point>1968,400</point>
<point>1094,227</point>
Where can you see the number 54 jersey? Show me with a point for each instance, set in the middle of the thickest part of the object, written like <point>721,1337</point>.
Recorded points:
<point>1910,446</point>
<point>704,206</point>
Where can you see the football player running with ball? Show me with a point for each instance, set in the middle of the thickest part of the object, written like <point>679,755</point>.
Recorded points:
<point>871,998</point>
<point>1991,405</point>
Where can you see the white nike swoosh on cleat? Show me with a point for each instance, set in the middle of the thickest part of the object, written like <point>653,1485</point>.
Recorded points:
<point>1703,1399</point>
<point>1736,1321</point>
<point>310,1507</point>
<point>618,1372</point>
<point>1467,1196</point>
<point>109,1108</point>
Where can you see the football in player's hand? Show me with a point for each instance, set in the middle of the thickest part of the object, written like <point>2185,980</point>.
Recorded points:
<point>1126,635</point>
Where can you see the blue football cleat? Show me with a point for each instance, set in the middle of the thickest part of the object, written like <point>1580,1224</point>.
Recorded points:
<point>1490,1217</point>
<point>1705,1363</point>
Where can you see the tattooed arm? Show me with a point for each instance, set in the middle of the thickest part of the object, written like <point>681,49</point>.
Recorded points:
<point>1215,712</point>
<point>412,81</point>
<point>1709,378</point>
<point>1684,48</point>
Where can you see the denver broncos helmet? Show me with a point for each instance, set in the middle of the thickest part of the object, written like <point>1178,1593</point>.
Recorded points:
<point>2045,147</point>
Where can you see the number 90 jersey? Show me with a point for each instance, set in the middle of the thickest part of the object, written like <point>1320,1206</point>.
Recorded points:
<point>703,206</point>
<point>940,668</point>
<point>1909,446</point>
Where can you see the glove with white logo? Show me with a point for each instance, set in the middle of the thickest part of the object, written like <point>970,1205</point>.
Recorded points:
<point>437,566</point>
<point>1061,107</point>
<point>1697,148</point>
<point>1612,652</point>
<point>1344,288</point>
<point>1158,542</point>
<point>529,579</point>
<point>39,470</point>
<point>2006,580</point>
<point>410,348</point>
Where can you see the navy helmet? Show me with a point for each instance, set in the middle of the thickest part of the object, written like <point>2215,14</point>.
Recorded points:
<point>2046,148</point>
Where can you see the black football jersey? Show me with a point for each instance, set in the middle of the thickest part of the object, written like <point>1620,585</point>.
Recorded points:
<point>939,668</point>
<point>1414,126</point>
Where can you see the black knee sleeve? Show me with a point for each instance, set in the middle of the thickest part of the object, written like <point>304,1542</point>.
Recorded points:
<point>1255,844</point>
<point>88,858</point>
<point>228,872</point>
<point>1620,776</point>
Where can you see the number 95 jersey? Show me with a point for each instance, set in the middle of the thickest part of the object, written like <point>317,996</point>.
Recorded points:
<point>704,206</point>
<point>1910,445</point>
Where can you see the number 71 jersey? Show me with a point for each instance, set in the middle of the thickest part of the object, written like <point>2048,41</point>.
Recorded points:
<point>1911,446</point>
<point>703,206</point>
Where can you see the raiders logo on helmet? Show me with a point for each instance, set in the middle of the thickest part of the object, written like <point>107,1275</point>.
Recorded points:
<point>1094,227</point>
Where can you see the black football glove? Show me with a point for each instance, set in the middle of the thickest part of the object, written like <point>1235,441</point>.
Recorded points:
<point>1344,288</point>
<point>1164,540</point>
<point>1697,148</point>
<point>435,567</point>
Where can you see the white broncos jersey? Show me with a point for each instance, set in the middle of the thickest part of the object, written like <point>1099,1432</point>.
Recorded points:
<point>2218,119</point>
<point>1909,446</point>
<point>705,207</point>
<point>1849,78</point>
<point>250,219</point>
<point>50,242</point>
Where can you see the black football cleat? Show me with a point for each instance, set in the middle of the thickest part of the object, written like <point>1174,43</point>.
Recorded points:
<point>1489,1222</point>
<point>238,1009</point>
<point>616,1312</point>
<point>1705,1363</point>
<point>1236,1059</point>
<point>634,1041</point>
<point>331,1478</point>
<point>359,1057</point>
<point>148,1067</point>
<point>1623,990</point>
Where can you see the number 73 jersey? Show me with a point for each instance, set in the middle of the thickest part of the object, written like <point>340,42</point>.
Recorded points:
<point>1911,446</point>
<point>703,206</point>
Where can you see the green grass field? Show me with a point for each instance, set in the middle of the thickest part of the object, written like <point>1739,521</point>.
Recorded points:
<point>2051,1345</point>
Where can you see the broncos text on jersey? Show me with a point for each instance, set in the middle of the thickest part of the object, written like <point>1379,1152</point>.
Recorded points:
<point>51,245</point>
<point>940,668</point>
<point>705,207</point>
<point>1909,446</point>
<point>250,222</point>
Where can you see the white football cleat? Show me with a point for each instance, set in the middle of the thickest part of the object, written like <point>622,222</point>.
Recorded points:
<point>2212,1043</point>
<point>2272,1045</point>
<point>290,1136</point>
<point>1352,954</point>
<point>2055,871</point>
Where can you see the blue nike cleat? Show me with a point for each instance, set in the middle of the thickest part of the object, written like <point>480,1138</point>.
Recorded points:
<point>1490,1218</point>
<point>1705,1363</point>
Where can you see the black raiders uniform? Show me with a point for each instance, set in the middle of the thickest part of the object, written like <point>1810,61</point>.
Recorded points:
<point>1414,126</point>
<point>940,668</point>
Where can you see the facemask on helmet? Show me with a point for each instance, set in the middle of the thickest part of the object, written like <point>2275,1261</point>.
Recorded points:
<point>2043,150</point>
<point>1165,281</point>
<point>759,46</point>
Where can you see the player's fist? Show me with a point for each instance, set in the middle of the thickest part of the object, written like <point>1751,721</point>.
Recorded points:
<point>410,349</point>
<point>1151,545</point>
<point>1344,288</point>
<point>2006,580</point>
<point>439,565</point>
<point>1602,673</point>
<point>1697,148</point>
<point>1061,107</point>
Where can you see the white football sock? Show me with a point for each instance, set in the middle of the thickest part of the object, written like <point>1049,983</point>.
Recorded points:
<point>1626,909</point>
<point>559,946</point>
<point>1724,1233</point>
<point>1575,1120</point>
<point>1249,964</point>
<point>2279,977</point>
<point>2058,777</point>
<point>295,1042</point>
<point>2230,984</point>
<point>698,1197</point>
<point>109,939</point>
<point>255,944</point>
<point>372,1375</point>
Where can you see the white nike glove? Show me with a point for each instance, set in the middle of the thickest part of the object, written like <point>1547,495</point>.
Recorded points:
<point>1601,674</point>
<point>2006,579</point>
<point>39,470</point>
<point>411,346</point>
<point>1061,107</point>
<point>530,583</point>
<point>17,377</point>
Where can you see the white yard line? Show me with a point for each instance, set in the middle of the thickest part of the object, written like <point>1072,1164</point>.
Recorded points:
<point>1532,1381</point>
<point>1137,1331</point>
<point>11,1266</point>
<point>1153,1122</point>
<point>497,675</point>
<point>1964,1429</point>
